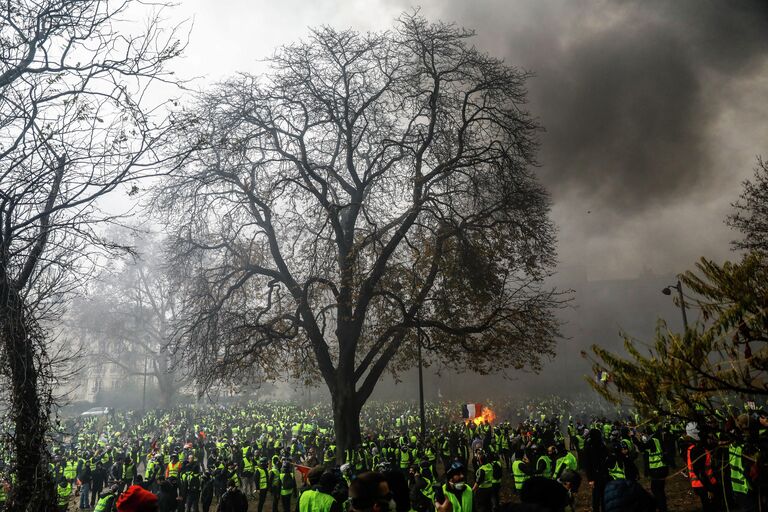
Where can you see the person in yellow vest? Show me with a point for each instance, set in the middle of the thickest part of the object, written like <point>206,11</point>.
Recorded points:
<point>347,472</point>
<point>106,500</point>
<point>248,470</point>
<point>329,454</point>
<point>261,481</point>
<point>63,493</point>
<point>152,471</point>
<point>658,469</point>
<point>483,482</point>
<point>420,488</point>
<point>128,472</point>
<point>191,484</point>
<point>274,481</point>
<point>5,489</point>
<point>522,469</point>
<point>620,465</point>
<point>318,497</point>
<point>404,458</point>
<point>232,474</point>
<point>288,485</point>
<point>496,475</point>
<point>446,450</point>
<point>745,460</point>
<point>545,465</point>
<point>70,469</point>
<point>456,491</point>
<point>430,454</point>
<point>741,458</point>
<point>173,469</point>
<point>564,459</point>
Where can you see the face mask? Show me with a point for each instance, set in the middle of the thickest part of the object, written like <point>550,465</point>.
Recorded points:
<point>459,486</point>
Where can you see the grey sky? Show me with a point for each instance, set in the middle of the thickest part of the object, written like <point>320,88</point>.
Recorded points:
<point>654,110</point>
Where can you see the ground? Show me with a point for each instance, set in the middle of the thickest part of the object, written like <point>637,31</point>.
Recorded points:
<point>680,498</point>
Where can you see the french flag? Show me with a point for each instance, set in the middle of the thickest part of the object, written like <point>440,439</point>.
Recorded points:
<point>471,411</point>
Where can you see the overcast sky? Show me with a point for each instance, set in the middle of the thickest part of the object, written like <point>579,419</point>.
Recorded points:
<point>654,110</point>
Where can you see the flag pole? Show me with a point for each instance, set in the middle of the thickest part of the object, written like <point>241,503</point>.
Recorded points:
<point>421,394</point>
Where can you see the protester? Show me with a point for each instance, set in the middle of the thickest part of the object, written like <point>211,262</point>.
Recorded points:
<point>370,492</point>
<point>233,499</point>
<point>627,496</point>
<point>206,449</point>
<point>594,463</point>
<point>136,499</point>
<point>546,493</point>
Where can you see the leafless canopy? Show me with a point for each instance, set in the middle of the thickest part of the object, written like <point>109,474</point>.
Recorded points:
<point>368,190</point>
<point>74,126</point>
<point>129,314</point>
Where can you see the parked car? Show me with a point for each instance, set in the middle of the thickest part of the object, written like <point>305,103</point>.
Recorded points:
<point>97,411</point>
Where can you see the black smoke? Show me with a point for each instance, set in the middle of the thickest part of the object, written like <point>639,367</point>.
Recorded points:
<point>626,90</point>
<point>652,111</point>
<point>630,94</point>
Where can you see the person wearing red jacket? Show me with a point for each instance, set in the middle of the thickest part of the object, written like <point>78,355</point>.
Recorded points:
<point>137,499</point>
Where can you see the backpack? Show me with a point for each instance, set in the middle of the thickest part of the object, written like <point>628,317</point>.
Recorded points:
<point>193,483</point>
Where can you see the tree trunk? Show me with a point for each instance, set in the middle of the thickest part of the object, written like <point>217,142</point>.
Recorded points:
<point>346,417</point>
<point>34,489</point>
<point>166,390</point>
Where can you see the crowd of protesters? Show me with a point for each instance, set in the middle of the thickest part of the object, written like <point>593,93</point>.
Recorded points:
<point>281,457</point>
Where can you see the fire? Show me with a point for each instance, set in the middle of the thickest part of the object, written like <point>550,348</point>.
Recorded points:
<point>487,416</point>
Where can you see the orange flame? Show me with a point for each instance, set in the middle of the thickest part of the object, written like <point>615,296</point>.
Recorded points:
<point>487,416</point>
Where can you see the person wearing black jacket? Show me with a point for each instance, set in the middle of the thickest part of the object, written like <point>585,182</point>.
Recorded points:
<point>233,500</point>
<point>98,479</point>
<point>620,465</point>
<point>167,497</point>
<point>84,477</point>
<point>115,473</point>
<point>191,490</point>
<point>701,472</point>
<point>206,491</point>
<point>594,464</point>
<point>220,476</point>
<point>657,464</point>
<point>419,487</point>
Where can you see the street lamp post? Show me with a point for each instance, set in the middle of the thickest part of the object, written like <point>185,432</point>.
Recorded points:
<point>421,391</point>
<point>667,290</point>
<point>144,389</point>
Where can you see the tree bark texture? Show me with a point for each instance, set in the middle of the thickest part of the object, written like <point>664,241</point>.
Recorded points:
<point>346,417</point>
<point>33,489</point>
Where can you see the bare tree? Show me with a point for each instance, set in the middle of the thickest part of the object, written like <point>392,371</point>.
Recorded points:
<point>368,191</point>
<point>751,212</point>
<point>73,128</point>
<point>130,312</point>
